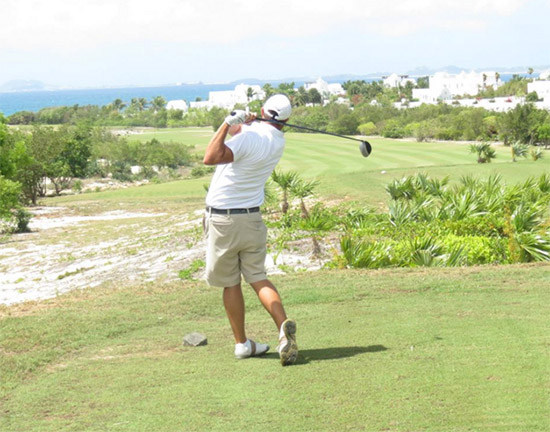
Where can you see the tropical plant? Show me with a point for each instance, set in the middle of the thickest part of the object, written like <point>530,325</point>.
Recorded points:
<point>518,150</point>
<point>365,254</point>
<point>536,153</point>
<point>284,180</point>
<point>302,189</point>
<point>403,188</point>
<point>485,153</point>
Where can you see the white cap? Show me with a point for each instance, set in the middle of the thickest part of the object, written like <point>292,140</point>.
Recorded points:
<point>278,107</point>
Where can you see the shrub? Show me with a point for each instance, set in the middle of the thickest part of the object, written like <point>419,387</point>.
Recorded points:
<point>22,219</point>
<point>201,171</point>
<point>367,129</point>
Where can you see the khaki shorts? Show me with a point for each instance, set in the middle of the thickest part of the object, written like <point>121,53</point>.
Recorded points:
<point>235,246</point>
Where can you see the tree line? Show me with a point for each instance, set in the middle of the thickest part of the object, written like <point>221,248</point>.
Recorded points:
<point>370,111</point>
<point>56,156</point>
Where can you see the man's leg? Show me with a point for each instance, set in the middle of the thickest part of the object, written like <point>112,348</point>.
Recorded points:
<point>234,307</point>
<point>270,298</point>
<point>268,295</point>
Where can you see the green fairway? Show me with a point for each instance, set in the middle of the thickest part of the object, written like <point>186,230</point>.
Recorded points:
<point>343,172</point>
<point>439,350</point>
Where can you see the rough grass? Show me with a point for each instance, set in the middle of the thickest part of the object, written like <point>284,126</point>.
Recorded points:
<point>400,350</point>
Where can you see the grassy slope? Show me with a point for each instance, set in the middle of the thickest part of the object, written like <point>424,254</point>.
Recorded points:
<point>454,349</point>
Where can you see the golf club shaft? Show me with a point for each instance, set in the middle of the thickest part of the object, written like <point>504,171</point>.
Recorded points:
<point>308,129</point>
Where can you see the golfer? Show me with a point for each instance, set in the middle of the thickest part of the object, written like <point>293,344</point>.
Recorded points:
<point>234,229</point>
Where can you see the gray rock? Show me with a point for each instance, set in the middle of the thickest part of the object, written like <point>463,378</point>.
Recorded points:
<point>194,339</point>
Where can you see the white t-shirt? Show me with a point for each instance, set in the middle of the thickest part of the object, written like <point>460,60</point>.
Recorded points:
<point>240,184</point>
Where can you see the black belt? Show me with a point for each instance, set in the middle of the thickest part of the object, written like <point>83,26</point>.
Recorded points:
<point>232,211</point>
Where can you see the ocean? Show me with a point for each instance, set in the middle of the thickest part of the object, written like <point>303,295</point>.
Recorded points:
<point>35,100</point>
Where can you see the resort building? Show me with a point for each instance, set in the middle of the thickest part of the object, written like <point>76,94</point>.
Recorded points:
<point>242,94</point>
<point>542,88</point>
<point>178,104</point>
<point>395,80</point>
<point>444,86</point>
<point>325,89</point>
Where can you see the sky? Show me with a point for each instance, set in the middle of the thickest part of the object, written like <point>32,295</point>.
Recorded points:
<point>95,43</point>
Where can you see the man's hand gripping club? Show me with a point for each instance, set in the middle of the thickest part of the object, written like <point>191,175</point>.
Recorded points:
<point>217,152</point>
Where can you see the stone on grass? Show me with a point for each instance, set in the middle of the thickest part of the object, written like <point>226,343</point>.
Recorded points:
<point>194,339</point>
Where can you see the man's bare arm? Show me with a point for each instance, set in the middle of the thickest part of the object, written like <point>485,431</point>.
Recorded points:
<point>217,152</point>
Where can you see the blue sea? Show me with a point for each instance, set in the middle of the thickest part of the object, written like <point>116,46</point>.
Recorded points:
<point>35,100</point>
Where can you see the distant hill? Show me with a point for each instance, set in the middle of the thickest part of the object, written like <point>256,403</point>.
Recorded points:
<point>23,85</point>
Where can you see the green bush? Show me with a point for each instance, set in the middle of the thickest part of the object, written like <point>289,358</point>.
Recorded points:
<point>201,171</point>
<point>22,219</point>
<point>367,129</point>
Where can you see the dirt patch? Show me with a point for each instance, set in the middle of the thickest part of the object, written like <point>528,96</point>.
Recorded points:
<point>67,252</point>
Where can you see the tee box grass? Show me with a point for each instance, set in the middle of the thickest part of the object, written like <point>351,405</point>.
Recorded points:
<point>398,350</point>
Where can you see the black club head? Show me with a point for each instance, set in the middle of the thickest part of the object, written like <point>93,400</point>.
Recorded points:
<point>365,148</point>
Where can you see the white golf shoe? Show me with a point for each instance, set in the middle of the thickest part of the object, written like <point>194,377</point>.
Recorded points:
<point>288,349</point>
<point>250,349</point>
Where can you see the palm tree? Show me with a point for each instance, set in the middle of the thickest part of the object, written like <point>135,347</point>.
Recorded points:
<point>269,90</point>
<point>302,189</point>
<point>250,94</point>
<point>485,153</point>
<point>518,150</point>
<point>138,104</point>
<point>118,105</point>
<point>158,103</point>
<point>285,181</point>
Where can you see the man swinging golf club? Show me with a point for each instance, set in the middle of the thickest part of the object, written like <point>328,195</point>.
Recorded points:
<point>234,229</point>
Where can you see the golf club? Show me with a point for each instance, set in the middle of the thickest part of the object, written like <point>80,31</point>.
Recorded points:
<point>364,147</point>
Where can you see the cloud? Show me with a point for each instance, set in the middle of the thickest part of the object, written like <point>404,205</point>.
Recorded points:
<point>65,26</point>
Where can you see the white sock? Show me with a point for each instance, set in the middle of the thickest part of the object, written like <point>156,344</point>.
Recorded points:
<point>281,333</point>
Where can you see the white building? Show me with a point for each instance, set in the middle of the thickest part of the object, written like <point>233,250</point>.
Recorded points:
<point>178,104</point>
<point>325,89</point>
<point>541,87</point>
<point>395,80</point>
<point>240,95</point>
<point>498,104</point>
<point>444,86</point>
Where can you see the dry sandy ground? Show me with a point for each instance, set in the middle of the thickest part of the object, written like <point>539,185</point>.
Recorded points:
<point>67,251</point>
